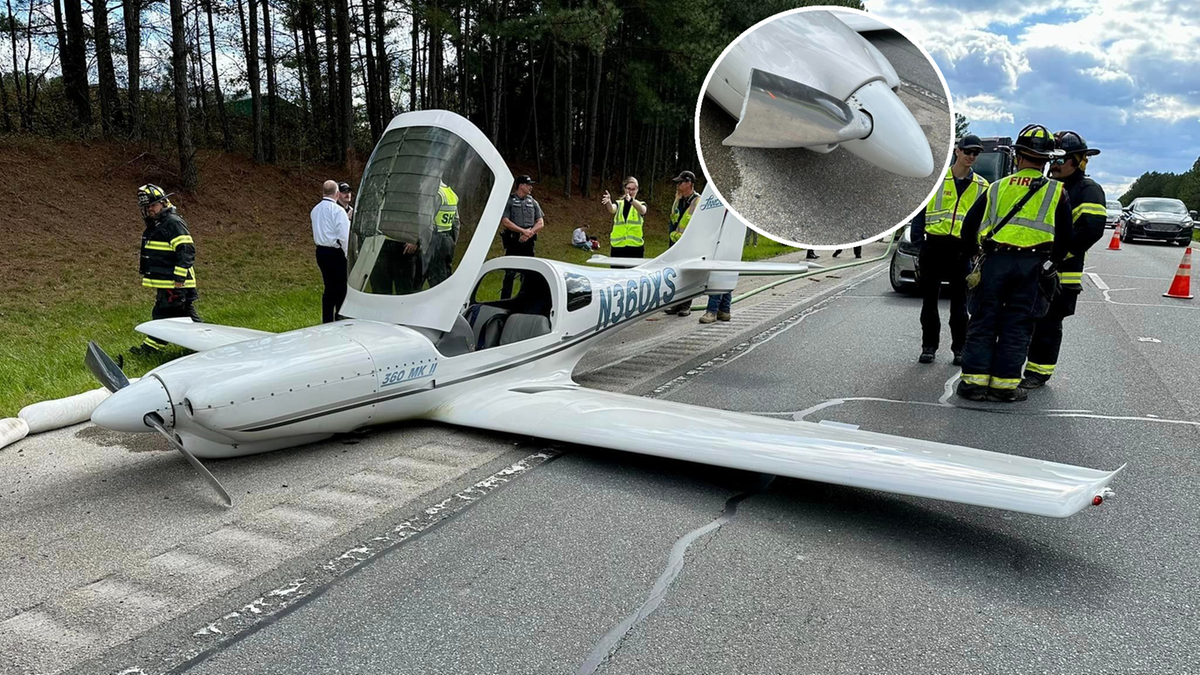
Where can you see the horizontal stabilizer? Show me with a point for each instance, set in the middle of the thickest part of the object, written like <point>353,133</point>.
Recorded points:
<point>804,450</point>
<point>198,336</point>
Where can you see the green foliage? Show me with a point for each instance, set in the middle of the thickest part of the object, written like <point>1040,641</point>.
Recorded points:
<point>961,125</point>
<point>1184,187</point>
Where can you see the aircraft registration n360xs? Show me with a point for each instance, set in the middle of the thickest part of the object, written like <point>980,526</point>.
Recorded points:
<point>449,348</point>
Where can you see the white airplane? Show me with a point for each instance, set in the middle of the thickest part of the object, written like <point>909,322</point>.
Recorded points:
<point>808,80</point>
<point>457,353</point>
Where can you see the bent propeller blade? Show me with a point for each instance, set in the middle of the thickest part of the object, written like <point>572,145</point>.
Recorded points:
<point>782,113</point>
<point>103,367</point>
<point>153,420</point>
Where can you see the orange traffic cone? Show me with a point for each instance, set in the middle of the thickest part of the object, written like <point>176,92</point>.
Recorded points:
<point>1181,284</point>
<point>1115,243</point>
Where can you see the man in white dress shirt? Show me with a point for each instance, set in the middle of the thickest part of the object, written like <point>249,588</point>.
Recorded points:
<point>331,234</point>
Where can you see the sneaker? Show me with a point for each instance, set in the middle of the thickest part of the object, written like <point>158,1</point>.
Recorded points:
<point>926,355</point>
<point>708,317</point>
<point>686,311</point>
<point>957,359</point>
<point>972,392</point>
<point>1007,395</point>
<point>811,255</point>
<point>724,316</point>
<point>1031,382</point>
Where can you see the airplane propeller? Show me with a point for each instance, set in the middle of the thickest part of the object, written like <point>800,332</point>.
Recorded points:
<point>113,378</point>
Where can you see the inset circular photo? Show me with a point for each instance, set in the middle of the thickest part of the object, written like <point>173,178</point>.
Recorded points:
<point>824,127</point>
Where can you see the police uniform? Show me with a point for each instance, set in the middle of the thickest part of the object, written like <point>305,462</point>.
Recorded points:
<point>445,236</point>
<point>524,212</point>
<point>938,230</point>
<point>168,257</point>
<point>627,239</point>
<point>1009,296</point>
<point>1088,214</point>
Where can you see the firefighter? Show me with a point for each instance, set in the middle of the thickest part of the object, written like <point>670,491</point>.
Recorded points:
<point>167,262</point>
<point>937,230</point>
<point>1088,216</point>
<point>1023,227</point>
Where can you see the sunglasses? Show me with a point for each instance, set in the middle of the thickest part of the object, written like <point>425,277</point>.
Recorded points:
<point>973,153</point>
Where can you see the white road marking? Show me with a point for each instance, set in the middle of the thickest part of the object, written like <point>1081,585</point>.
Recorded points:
<point>1098,281</point>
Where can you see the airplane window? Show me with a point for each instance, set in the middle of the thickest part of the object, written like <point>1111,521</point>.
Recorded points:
<point>422,195</point>
<point>579,292</point>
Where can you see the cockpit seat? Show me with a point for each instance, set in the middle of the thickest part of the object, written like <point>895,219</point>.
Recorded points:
<point>487,324</point>
<point>523,327</point>
<point>458,340</point>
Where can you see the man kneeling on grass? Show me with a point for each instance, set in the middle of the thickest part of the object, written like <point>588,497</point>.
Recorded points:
<point>167,261</point>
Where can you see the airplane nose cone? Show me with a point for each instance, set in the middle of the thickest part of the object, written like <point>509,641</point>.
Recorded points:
<point>897,142</point>
<point>124,410</point>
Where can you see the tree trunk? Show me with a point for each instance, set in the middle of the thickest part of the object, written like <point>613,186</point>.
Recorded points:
<point>183,128</point>
<point>384,67</point>
<point>591,143</point>
<point>110,107</point>
<point>198,72</point>
<point>415,44</point>
<point>132,11</point>
<point>75,61</point>
<point>226,136</point>
<point>255,83</point>
<point>459,62</point>
<point>333,100</point>
<point>25,122</point>
<point>568,123</point>
<point>272,94</point>
<point>8,125</point>
<point>344,66</point>
<point>373,116</point>
<point>312,63</point>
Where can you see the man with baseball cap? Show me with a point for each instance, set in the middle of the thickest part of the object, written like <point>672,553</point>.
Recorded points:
<point>682,209</point>
<point>345,199</point>
<point>937,231</point>
<point>521,222</point>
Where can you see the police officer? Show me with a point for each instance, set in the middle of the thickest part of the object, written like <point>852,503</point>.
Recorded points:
<point>682,210</point>
<point>522,220</point>
<point>629,215</point>
<point>938,230</point>
<point>168,256</point>
<point>1088,214</point>
<point>1023,225</point>
<point>444,237</point>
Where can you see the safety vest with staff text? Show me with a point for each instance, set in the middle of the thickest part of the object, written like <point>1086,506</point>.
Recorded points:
<point>945,213</point>
<point>448,210</point>
<point>627,230</point>
<point>1033,225</point>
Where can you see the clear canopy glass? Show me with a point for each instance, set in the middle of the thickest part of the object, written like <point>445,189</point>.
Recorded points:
<point>422,195</point>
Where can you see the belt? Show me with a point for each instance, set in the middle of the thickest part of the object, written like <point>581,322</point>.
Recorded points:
<point>331,248</point>
<point>1038,250</point>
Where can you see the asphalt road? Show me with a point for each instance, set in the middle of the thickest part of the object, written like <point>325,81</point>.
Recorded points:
<point>615,563</point>
<point>809,199</point>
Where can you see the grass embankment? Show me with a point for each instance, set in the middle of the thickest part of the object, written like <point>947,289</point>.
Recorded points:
<point>70,254</point>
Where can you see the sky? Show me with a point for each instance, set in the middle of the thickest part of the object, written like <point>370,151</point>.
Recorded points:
<point>1123,73</point>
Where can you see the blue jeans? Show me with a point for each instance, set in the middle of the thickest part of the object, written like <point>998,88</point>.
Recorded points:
<point>719,303</point>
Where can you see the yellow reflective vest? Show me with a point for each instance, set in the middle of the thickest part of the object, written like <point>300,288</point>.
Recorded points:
<point>680,219</point>
<point>1034,224</point>
<point>627,231</point>
<point>448,211</point>
<point>945,213</point>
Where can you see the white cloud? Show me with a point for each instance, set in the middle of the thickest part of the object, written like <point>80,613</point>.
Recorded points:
<point>983,108</point>
<point>1168,108</point>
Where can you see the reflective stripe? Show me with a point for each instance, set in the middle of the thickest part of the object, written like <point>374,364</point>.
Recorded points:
<point>1090,208</point>
<point>158,246</point>
<point>1005,382</point>
<point>1039,368</point>
<point>181,239</point>
<point>1071,278</point>
<point>979,380</point>
<point>154,344</point>
<point>181,272</point>
<point>159,283</point>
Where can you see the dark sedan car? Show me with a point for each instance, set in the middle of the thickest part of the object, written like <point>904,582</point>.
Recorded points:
<point>1157,218</point>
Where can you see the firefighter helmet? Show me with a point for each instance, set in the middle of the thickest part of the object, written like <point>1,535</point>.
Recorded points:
<point>1072,143</point>
<point>1037,142</point>
<point>150,194</point>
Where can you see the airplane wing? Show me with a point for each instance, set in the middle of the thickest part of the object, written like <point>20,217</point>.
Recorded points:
<point>803,450</point>
<point>197,336</point>
<point>701,265</point>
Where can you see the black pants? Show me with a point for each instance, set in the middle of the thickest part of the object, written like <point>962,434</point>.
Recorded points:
<point>1047,335</point>
<point>441,258</point>
<point>628,251</point>
<point>942,259</point>
<point>857,252</point>
<point>332,263</point>
<point>397,272</point>
<point>1004,307</point>
<point>170,303</point>
<point>514,246</point>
